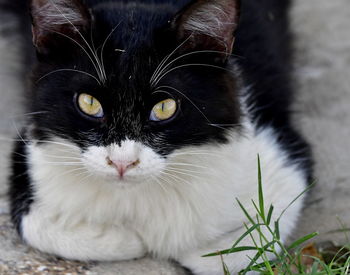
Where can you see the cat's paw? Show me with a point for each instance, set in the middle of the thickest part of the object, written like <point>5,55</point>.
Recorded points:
<point>121,244</point>
<point>85,242</point>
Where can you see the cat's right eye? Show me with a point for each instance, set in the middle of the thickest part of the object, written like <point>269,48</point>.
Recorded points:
<point>90,106</point>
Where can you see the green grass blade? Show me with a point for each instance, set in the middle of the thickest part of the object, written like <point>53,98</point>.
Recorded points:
<point>344,229</point>
<point>273,263</point>
<point>231,251</point>
<point>314,269</point>
<point>258,255</point>
<point>326,268</point>
<point>346,267</point>
<point>245,212</point>
<point>249,230</point>
<point>302,240</point>
<point>260,252</point>
<point>252,262</point>
<point>298,197</point>
<point>226,271</point>
<point>257,209</point>
<point>224,266</point>
<point>269,215</point>
<point>261,194</point>
<point>277,230</point>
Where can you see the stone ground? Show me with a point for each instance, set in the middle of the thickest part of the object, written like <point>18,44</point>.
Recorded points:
<point>322,77</point>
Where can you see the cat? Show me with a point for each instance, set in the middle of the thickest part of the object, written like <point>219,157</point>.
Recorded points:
<point>146,121</point>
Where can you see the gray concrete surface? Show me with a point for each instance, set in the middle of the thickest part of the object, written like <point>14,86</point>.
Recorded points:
<point>322,76</point>
<point>322,73</point>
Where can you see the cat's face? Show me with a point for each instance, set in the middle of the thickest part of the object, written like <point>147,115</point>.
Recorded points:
<point>142,90</point>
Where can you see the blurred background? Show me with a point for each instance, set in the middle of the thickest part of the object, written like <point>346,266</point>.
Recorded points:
<point>322,112</point>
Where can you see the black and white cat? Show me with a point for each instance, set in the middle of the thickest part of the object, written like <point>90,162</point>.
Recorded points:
<point>145,127</point>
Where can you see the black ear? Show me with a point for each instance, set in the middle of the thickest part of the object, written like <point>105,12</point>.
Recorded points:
<point>209,25</point>
<point>54,18</point>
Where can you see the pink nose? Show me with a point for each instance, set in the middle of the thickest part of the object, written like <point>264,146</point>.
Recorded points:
<point>122,166</point>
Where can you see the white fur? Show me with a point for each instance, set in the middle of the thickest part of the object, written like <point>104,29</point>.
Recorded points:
<point>129,151</point>
<point>210,19</point>
<point>179,208</point>
<point>58,12</point>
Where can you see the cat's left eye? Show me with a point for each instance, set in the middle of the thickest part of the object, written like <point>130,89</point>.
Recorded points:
<point>90,106</point>
<point>164,110</point>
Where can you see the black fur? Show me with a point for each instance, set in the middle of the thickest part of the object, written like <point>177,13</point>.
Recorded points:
<point>264,41</point>
<point>21,191</point>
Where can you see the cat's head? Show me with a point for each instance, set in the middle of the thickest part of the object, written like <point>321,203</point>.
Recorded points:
<point>131,84</point>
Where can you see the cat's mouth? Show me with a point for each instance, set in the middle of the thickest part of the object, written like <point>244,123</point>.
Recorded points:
<point>123,174</point>
<point>126,164</point>
<point>122,179</point>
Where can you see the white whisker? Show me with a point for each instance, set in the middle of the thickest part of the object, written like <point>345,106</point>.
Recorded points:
<point>69,70</point>
<point>198,154</point>
<point>181,173</point>
<point>189,54</point>
<point>57,143</point>
<point>176,90</point>
<point>185,170</point>
<point>173,176</point>
<point>62,157</point>
<point>21,175</point>
<point>30,114</point>
<point>100,70</point>
<point>69,172</point>
<point>188,65</point>
<point>85,51</point>
<point>18,133</point>
<point>187,164</point>
<point>89,175</point>
<point>18,154</point>
<point>223,126</point>
<point>160,184</point>
<point>166,58</point>
<point>64,163</point>
<point>104,44</point>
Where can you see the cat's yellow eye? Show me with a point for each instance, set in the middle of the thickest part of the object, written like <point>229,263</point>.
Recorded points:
<point>164,110</point>
<point>90,106</point>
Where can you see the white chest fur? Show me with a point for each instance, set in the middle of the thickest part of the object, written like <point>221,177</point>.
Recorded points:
<point>176,213</point>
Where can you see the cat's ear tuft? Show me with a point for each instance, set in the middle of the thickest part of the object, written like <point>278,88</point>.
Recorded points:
<point>209,24</point>
<point>57,17</point>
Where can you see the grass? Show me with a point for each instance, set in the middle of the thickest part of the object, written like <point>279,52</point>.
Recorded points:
<point>296,258</point>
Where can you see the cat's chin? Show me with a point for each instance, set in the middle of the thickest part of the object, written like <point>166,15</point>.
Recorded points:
<point>125,182</point>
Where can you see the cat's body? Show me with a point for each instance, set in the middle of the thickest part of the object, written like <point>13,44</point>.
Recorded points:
<point>173,194</point>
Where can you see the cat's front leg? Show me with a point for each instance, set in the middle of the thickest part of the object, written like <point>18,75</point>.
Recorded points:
<point>83,242</point>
